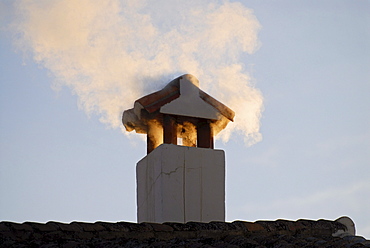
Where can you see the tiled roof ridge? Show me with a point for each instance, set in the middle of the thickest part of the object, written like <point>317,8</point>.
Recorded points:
<point>14,233</point>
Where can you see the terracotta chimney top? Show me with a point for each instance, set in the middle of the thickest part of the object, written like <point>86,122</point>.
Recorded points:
<point>179,110</point>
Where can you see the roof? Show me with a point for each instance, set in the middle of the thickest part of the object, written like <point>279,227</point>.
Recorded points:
<point>279,233</point>
<point>180,97</point>
<point>171,91</point>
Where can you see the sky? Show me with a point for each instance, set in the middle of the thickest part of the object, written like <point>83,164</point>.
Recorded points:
<point>297,74</point>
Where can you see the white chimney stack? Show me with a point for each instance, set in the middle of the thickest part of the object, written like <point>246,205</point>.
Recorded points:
<point>180,183</point>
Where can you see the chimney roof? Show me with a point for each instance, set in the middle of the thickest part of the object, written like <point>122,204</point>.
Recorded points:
<point>180,97</point>
<point>173,90</point>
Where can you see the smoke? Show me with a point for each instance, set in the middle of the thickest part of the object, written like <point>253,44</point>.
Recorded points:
<point>110,53</point>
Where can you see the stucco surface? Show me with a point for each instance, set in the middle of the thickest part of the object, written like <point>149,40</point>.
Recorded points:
<point>181,184</point>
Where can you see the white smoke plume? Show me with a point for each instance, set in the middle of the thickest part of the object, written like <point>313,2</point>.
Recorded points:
<point>110,53</point>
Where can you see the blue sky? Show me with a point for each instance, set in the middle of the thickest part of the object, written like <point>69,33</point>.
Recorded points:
<point>58,162</point>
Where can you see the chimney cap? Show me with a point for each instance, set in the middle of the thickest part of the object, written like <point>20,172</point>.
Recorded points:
<point>180,97</point>
<point>174,90</point>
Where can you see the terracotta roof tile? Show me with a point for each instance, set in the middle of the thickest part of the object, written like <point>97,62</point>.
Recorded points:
<point>279,233</point>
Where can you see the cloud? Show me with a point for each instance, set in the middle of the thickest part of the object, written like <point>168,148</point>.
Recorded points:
<point>109,53</point>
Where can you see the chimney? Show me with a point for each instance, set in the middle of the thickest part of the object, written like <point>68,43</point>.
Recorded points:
<point>182,178</point>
